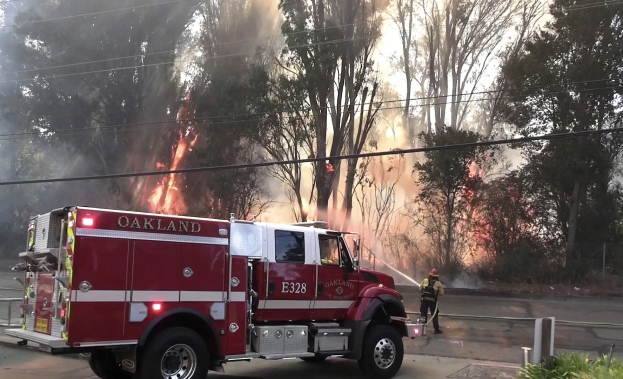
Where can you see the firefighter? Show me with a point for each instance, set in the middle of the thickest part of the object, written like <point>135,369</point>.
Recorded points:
<point>431,289</point>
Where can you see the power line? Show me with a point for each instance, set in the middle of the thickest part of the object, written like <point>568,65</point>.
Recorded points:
<point>107,128</point>
<point>592,5</point>
<point>171,51</point>
<point>54,76</point>
<point>91,13</point>
<point>312,160</point>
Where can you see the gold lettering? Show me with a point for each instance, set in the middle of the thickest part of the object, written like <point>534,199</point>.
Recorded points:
<point>159,228</point>
<point>147,223</point>
<point>184,225</point>
<point>195,227</point>
<point>123,221</point>
<point>172,226</point>
<point>158,224</point>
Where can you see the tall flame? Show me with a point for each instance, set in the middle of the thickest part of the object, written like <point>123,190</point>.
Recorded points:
<point>166,198</point>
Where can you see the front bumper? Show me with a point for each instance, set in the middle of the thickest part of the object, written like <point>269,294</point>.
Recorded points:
<point>47,343</point>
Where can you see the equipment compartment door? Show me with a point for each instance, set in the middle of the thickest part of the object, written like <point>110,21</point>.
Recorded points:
<point>44,306</point>
<point>338,284</point>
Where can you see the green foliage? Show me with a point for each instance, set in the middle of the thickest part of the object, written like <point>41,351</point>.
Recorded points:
<point>448,188</point>
<point>574,366</point>
<point>568,80</point>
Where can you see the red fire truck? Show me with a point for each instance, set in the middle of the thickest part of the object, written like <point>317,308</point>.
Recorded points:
<point>151,295</point>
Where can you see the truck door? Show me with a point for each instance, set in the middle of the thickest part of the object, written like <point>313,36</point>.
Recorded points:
<point>286,292</point>
<point>338,284</point>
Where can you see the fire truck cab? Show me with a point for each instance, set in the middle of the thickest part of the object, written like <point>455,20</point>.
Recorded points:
<point>152,295</point>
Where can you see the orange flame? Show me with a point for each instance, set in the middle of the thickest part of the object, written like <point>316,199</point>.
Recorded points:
<point>166,197</point>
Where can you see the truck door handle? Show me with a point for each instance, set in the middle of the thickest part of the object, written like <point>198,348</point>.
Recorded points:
<point>271,287</point>
<point>319,288</point>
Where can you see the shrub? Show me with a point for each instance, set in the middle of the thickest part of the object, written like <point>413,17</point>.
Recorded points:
<point>574,366</point>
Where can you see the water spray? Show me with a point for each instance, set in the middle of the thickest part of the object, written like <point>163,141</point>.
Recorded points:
<point>394,269</point>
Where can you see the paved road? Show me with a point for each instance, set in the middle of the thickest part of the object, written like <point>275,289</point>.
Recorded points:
<point>19,363</point>
<point>499,340</point>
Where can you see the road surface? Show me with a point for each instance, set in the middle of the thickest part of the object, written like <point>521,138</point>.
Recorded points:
<point>489,339</point>
<point>20,363</point>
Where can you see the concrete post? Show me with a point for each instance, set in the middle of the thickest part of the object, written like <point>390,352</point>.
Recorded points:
<point>543,339</point>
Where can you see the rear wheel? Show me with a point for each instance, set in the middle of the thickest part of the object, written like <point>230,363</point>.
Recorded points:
<point>178,353</point>
<point>382,352</point>
<point>104,365</point>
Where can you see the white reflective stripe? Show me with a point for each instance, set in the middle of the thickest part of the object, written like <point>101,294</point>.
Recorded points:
<point>108,343</point>
<point>204,296</point>
<point>305,304</point>
<point>147,236</point>
<point>286,304</point>
<point>156,296</point>
<point>238,297</point>
<point>332,304</point>
<point>98,296</point>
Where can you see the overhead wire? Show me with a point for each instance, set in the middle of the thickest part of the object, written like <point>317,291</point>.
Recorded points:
<point>171,51</point>
<point>55,76</point>
<point>159,124</point>
<point>90,14</point>
<point>318,159</point>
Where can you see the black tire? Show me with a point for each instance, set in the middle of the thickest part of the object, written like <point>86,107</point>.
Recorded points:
<point>388,366</point>
<point>104,365</point>
<point>194,349</point>
<point>317,359</point>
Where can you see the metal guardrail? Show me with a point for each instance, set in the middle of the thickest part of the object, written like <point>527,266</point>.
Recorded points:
<point>10,301</point>
<point>10,289</point>
<point>529,319</point>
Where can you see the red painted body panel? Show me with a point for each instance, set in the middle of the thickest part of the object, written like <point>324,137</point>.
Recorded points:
<point>128,265</point>
<point>144,222</point>
<point>337,284</point>
<point>157,266</point>
<point>106,265</point>
<point>278,274</point>
<point>209,265</point>
<point>236,311</point>
<point>43,303</point>
<point>367,295</point>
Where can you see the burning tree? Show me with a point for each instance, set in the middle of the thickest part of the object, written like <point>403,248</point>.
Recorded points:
<point>449,187</point>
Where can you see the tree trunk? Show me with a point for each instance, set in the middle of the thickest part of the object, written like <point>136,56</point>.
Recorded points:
<point>573,220</point>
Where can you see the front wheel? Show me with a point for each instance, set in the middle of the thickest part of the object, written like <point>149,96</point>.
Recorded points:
<point>178,353</point>
<point>382,352</point>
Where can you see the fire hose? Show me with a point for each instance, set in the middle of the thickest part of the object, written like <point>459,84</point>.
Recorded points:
<point>480,317</point>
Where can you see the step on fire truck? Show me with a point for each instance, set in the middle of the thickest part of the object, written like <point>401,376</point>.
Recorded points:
<point>159,296</point>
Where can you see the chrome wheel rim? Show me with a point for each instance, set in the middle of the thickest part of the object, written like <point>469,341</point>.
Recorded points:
<point>179,362</point>
<point>384,353</point>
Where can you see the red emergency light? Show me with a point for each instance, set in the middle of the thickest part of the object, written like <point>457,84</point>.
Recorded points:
<point>156,306</point>
<point>88,221</point>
